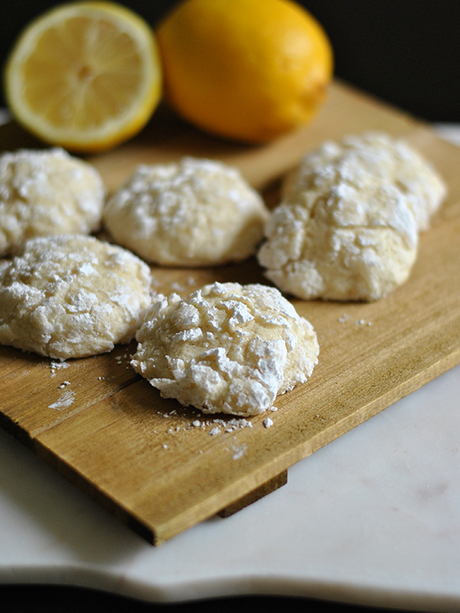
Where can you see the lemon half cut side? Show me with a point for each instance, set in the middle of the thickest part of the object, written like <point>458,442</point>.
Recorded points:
<point>85,76</point>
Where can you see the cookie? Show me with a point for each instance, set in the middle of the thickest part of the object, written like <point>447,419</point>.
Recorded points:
<point>192,213</point>
<point>348,224</point>
<point>71,296</point>
<point>227,348</point>
<point>47,192</point>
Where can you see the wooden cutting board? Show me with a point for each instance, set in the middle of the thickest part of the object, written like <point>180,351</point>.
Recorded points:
<point>109,432</point>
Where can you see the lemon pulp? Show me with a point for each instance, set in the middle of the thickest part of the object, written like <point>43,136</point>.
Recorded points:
<point>85,76</point>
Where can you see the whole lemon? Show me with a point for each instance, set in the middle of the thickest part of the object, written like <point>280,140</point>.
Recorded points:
<point>248,70</point>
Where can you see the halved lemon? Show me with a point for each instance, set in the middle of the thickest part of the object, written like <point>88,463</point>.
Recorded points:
<point>85,76</point>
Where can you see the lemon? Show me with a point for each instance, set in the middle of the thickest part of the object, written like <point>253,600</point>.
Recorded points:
<point>245,69</point>
<point>85,76</point>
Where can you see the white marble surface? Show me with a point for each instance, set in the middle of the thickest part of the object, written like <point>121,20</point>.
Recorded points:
<point>372,518</point>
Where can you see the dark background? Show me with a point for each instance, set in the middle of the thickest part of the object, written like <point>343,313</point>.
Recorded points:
<point>406,53</point>
<point>27,599</point>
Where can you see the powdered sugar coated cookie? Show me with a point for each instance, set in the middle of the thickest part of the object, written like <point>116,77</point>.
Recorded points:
<point>192,213</point>
<point>227,348</point>
<point>347,226</point>
<point>71,296</point>
<point>46,192</point>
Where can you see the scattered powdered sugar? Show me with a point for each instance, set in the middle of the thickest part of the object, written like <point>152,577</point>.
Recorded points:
<point>239,449</point>
<point>123,359</point>
<point>177,287</point>
<point>214,426</point>
<point>55,366</point>
<point>358,322</point>
<point>225,425</point>
<point>234,424</point>
<point>184,286</point>
<point>65,400</point>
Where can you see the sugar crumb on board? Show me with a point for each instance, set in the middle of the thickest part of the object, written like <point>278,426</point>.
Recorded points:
<point>213,427</point>
<point>65,400</point>
<point>184,286</point>
<point>54,366</point>
<point>346,317</point>
<point>238,450</point>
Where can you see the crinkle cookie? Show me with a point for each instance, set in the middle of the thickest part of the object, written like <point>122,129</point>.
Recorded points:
<point>47,192</point>
<point>192,213</point>
<point>72,296</point>
<point>228,348</point>
<point>347,226</point>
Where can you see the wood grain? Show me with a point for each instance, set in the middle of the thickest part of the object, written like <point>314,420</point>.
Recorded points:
<point>139,455</point>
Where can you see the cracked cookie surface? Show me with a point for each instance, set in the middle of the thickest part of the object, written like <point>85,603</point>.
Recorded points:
<point>47,192</point>
<point>196,212</point>
<point>227,348</point>
<point>71,296</point>
<point>347,226</point>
